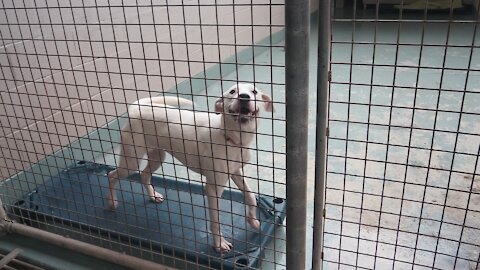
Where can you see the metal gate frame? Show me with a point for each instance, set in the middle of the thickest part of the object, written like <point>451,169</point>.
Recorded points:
<point>324,81</point>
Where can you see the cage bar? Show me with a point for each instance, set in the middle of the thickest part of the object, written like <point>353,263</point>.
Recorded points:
<point>323,78</point>
<point>297,39</point>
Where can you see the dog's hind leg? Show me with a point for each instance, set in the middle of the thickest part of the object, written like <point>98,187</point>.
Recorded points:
<point>155,160</point>
<point>128,164</point>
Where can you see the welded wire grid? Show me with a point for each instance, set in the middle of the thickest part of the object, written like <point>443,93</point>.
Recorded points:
<point>70,67</point>
<point>403,149</point>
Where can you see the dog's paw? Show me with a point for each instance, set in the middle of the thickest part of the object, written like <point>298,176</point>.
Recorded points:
<point>157,198</point>
<point>112,204</point>
<point>254,223</point>
<point>224,246</point>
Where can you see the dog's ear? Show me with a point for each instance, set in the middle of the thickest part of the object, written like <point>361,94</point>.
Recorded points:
<point>219,106</point>
<point>268,103</point>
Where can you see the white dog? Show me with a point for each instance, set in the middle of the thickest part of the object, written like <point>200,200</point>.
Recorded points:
<point>212,144</point>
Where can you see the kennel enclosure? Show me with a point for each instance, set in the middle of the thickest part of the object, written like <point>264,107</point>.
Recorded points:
<point>376,130</point>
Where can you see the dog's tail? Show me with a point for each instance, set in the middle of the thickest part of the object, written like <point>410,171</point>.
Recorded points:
<point>165,100</point>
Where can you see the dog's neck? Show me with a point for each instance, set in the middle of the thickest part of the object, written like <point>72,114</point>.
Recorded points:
<point>240,135</point>
<point>234,142</point>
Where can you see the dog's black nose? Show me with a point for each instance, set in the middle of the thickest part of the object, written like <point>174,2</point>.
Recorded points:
<point>244,97</point>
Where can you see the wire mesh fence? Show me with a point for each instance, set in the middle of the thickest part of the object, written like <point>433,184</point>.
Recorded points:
<point>403,141</point>
<point>69,71</point>
<point>403,148</point>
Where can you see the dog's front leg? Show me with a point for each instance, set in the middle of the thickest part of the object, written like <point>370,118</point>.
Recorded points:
<point>214,192</point>
<point>250,200</point>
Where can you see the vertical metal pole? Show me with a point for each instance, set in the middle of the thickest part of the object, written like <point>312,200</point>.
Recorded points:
<point>297,27</point>
<point>323,77</point>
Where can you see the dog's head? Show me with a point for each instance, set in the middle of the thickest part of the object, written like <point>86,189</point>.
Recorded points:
<point>242,102</point>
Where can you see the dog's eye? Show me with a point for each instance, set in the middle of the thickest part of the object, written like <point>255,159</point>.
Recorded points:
<point>232,91</point>
<point>254,92</point>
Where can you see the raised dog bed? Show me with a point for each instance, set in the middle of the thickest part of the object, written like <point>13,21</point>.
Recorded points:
<point>178,227</point>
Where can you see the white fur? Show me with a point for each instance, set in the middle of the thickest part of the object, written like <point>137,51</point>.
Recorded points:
<point>212,144</point>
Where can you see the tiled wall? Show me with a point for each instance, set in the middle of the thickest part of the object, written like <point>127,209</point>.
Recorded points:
<point>68,67</point>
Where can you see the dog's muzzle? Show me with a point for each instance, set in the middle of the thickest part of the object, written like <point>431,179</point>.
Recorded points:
<point>243,111</point>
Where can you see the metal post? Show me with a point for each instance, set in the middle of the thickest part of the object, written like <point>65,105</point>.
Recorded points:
<point>323,77</point>
<point>297,27</point>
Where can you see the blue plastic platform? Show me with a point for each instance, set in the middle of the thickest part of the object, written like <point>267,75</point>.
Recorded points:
<point>178,226</point>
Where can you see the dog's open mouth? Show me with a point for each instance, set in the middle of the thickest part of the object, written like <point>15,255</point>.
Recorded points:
<point>244,114</point>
